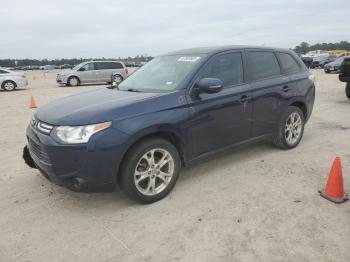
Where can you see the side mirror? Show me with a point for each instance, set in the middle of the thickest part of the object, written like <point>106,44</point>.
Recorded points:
<point>82,69</point>
<point>209,85</point>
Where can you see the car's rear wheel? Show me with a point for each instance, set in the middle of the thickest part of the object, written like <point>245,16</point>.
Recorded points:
<point>347,90</point>
<point>117,79</point>
<point>8,85</point>
<point>73,81</point>
<point>290,129</point>
<point>150,170</point>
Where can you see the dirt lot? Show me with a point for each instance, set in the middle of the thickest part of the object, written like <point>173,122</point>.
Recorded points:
<point>252,203</point>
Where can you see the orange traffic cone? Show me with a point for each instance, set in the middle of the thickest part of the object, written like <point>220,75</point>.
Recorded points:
<point>32,103</point>
<point>334,190</point>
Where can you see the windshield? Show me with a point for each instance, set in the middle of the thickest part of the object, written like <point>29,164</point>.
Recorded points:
<point>339,60</point>
<point>78,66</point>
<point>162,74</point>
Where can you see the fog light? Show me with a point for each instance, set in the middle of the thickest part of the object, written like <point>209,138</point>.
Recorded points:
<point>77,183</point>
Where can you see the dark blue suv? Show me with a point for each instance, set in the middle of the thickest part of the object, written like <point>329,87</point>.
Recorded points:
<point>177,108</point>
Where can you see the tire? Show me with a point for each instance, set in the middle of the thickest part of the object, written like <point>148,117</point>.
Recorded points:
<point>347,90</point>
<point>117,79</point>
<point>8,85</point>
<point>137,166</point>
<point>288,139</point>
<point>73,81</point>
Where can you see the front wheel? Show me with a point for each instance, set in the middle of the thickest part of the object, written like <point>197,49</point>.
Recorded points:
<point>150,170</point>
<point>73,81</point>
<point>290,129</point>
<point>9,86</point>
<point>347,90</point>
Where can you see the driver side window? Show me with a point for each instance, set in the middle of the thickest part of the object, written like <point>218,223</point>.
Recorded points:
<point>226,67</point>
<point>88,67</point>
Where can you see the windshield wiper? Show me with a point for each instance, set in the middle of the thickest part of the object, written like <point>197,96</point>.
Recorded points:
<point>133,90</point>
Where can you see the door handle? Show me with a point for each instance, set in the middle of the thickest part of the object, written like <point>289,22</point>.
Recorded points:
<point>243,99</point>
<point>285,89</point>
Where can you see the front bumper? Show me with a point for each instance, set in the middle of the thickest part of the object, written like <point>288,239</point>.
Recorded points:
<point>61,79</point>
<point>91,167</point>
<point>23,82</point>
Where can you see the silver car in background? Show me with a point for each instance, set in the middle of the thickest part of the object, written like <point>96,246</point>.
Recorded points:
<point>93,72</point>
<point>10,80</point>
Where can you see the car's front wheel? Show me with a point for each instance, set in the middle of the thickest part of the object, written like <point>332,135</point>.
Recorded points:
<point>8,85</point>
<point>347,90</point>
<point>150,170</point>
<point>290,129</point>
<point>73,81</point>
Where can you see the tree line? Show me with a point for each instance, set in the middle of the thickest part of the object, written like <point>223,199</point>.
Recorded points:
<point>305,47</point>
<point>72,61</point>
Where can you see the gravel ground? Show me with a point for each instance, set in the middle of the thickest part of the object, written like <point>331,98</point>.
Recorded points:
<point>251,203</point>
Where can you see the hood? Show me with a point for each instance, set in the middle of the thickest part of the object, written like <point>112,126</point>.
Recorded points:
<point>66,71</point>
<point>93,107</point>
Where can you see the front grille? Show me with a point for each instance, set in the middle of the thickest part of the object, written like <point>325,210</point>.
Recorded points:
<point>38,152</point>
<point>41,126</point>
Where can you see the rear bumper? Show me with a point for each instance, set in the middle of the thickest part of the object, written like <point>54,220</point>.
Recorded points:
<point>85,168</point>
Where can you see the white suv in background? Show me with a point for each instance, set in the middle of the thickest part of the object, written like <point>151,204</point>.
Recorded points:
<point>10,80</point>
<point>93,72</point>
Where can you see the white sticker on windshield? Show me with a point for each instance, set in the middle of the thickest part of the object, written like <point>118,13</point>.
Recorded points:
<point>188,58</point>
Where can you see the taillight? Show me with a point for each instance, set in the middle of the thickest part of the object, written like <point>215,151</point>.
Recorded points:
<point>126,71</point>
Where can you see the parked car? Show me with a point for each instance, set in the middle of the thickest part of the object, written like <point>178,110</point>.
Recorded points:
<point>333,66</point>
<point>10,80</point>
<point>316,54</point>
<point>176,109</point>
<point>322,61</point>
<point>307,61</point>
<point>344,75</point>
<point>92,72</point>
<point>66,66</point>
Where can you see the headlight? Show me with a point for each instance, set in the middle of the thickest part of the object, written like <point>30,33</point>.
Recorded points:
<point>77,134</point>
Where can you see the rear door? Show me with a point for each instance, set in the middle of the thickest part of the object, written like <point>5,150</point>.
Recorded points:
<point>221,119</point>
<point>103,73</point>
<point>269,90</point>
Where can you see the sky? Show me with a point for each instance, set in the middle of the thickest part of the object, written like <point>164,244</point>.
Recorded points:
<point>120,28</point>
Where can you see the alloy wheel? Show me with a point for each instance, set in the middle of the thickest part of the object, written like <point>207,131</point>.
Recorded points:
<point>9,86</point>
<point>293,128</point>
<point>154,171</point>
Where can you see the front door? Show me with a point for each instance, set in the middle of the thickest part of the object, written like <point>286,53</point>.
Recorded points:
<point>87,73</point>
<point>221,119</point>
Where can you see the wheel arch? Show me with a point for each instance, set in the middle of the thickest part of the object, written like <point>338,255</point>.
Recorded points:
<point>8,80</point>
<point>302,106</point>
<point>166,134</point>
<point>77,77</point>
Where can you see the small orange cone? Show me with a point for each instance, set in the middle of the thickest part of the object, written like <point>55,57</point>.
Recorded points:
<point>32,103</point>
<point>334,190</point>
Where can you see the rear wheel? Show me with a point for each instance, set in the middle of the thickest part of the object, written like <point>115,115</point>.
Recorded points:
<point>8,85</point>
<point>73,81</point>
<point>347,90</point>
<point>117,79</point>
<point>290,129</point>
<point>150,170</point>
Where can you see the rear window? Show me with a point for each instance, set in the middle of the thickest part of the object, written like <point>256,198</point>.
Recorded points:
<point>263,64</point>
<point>109,65</point>
<point>288,63</point>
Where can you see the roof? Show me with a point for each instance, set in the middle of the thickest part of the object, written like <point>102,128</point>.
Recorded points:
<point>217,49</point>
